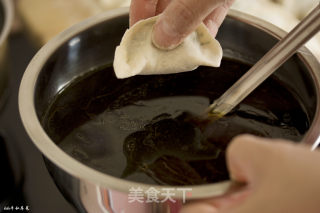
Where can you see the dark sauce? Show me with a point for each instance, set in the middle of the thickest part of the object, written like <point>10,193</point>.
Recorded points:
<point>136,129</point>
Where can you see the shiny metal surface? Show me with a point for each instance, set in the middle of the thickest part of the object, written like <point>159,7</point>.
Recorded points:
<point>6,21</point>
<point>269,63</point>
<point>7,15</point>
<point>91,44</point>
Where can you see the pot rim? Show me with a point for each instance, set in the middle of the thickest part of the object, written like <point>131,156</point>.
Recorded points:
<point>56,155</point>
<point>8,20</point>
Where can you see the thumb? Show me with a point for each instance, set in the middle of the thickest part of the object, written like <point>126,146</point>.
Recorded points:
<point>179,19</point>
<point>248,158</point>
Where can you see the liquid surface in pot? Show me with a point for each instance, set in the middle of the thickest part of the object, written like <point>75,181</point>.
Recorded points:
<point>135,128</point>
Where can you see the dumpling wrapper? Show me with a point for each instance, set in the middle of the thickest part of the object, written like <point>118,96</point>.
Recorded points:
<point>137,55</point>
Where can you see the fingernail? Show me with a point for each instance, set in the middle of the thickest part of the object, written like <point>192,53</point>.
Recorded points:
<point>164,36</point>
<point>213,28</point>
<point>203,208</point>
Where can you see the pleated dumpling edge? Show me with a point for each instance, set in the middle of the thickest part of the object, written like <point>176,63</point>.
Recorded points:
<point>136,54</point>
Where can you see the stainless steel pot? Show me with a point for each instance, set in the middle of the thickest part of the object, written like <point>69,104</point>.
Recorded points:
<point>6,20</point>
<point>92,44</point>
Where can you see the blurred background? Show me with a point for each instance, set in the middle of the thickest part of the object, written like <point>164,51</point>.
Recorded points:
<point>46,18</point>
<point>25,181</point>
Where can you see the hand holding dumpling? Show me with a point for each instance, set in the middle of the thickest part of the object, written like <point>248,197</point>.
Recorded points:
<point>179,17</point>
<point>173,42</point>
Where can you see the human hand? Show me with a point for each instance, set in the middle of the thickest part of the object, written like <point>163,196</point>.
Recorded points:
<point>281,177</point>
<point>179,17</point>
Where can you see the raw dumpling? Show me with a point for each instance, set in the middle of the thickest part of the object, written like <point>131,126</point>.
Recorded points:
<point>137,55</point>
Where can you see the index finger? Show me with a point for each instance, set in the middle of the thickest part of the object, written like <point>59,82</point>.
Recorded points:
<point>142,9</point>
<point>180,18</point>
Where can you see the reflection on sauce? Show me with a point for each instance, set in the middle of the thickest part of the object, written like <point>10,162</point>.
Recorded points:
<point>136,129</point>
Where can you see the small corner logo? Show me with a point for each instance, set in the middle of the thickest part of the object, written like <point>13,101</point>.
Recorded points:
<point>16,208</point>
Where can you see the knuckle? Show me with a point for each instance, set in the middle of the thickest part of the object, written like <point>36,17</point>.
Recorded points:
<point>185,12</point>
<point>227,4</point>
